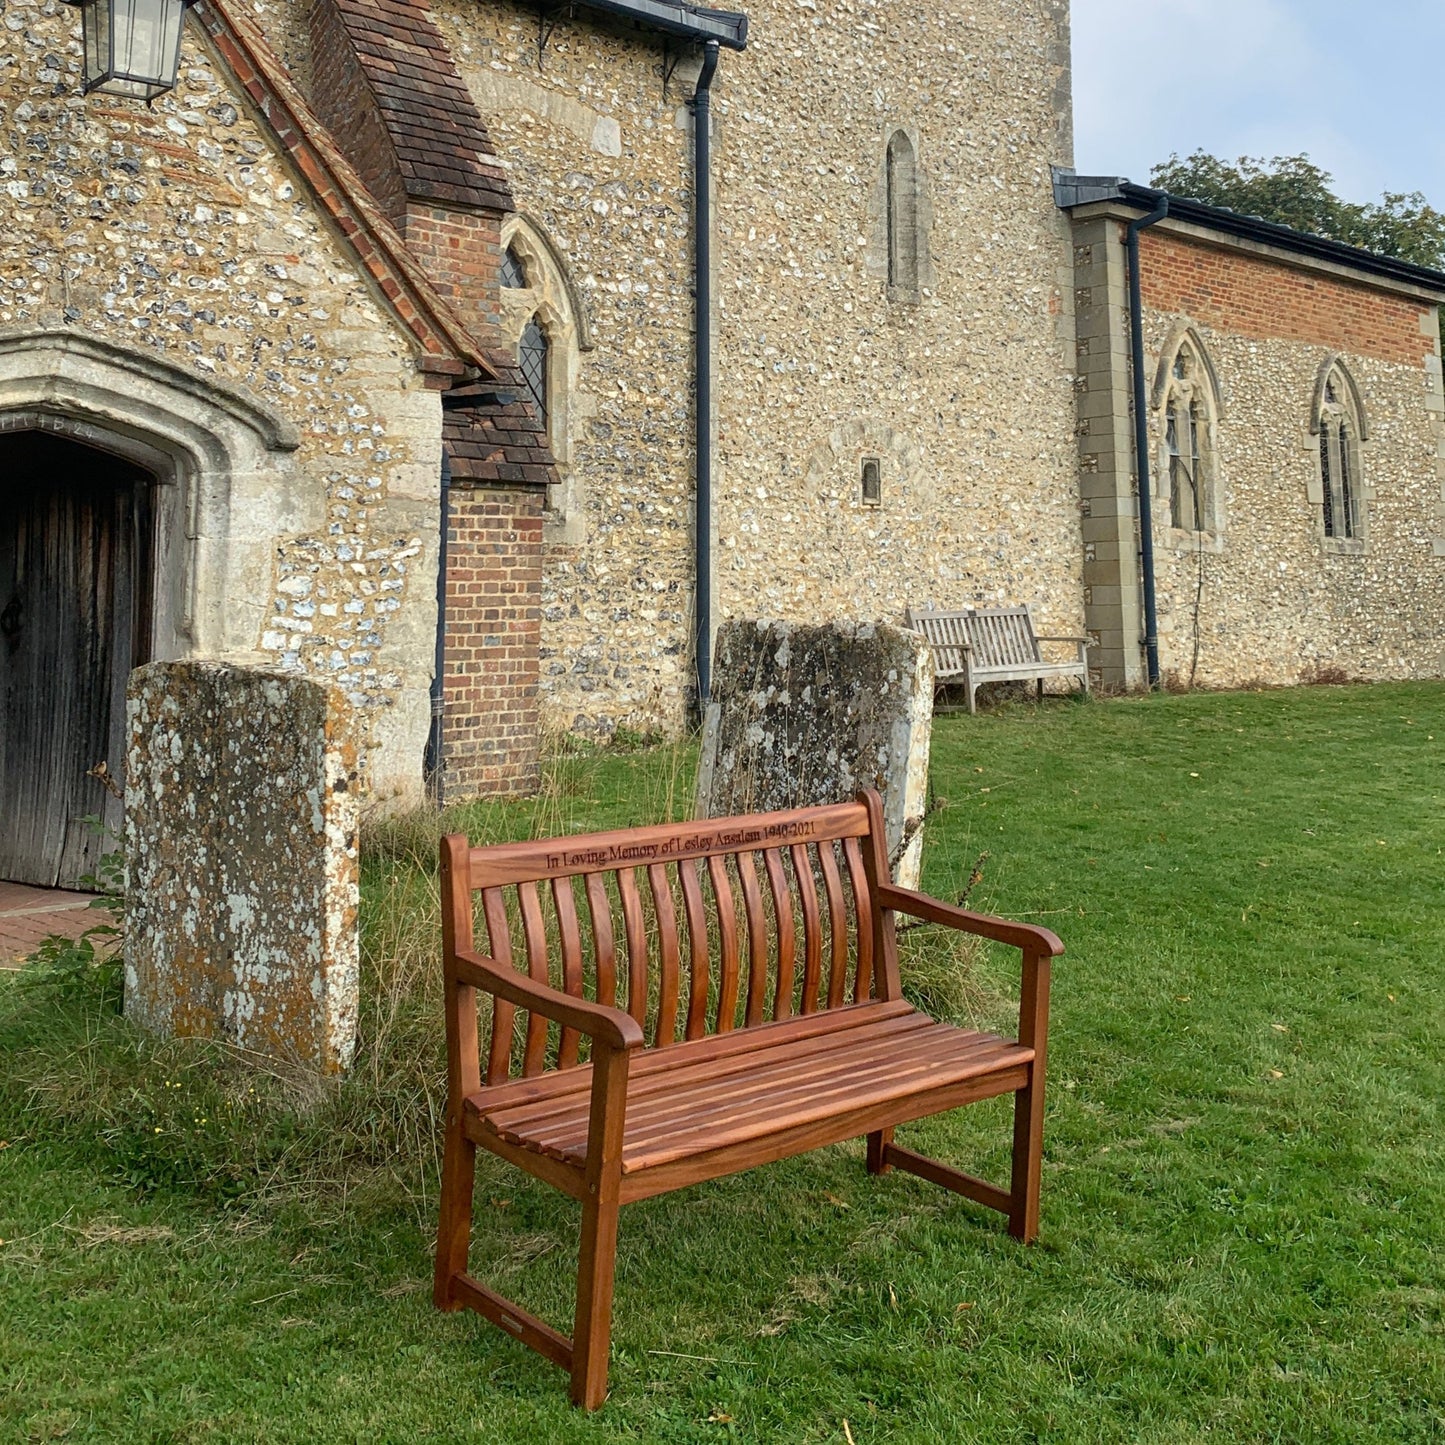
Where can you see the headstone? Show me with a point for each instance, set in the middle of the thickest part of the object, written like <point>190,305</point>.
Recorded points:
<point>241,854</point>
<point>810,714</point>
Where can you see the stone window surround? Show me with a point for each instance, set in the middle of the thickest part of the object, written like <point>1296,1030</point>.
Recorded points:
<point>552,298</point>
<point>1351,409</point>
<point>221,459</point>
<point>1204,388</point>
<point>876,253</point>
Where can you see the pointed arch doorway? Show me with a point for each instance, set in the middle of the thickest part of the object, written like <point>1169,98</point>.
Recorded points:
<point>77,530</point>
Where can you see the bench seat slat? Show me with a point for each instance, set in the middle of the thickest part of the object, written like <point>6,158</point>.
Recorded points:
<point>833,1128</point>
<point>693,1105</point>
<point>696,1110</point>
<point>650,1061</point>
<point>560,1106</point>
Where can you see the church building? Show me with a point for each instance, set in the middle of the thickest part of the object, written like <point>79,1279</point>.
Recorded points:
<point>480,358</point>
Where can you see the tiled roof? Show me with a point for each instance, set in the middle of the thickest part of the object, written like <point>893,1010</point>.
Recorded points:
<point>497,442</point>
<point>443,345</point>
<point>441,143</point>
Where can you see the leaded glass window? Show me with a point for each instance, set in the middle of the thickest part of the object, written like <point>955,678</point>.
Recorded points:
<point>513,272</point>
<point>1341,519</point>
<point>1341,427</point>
<point>532,351</point>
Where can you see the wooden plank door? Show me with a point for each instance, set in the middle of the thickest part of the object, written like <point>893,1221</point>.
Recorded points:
<point>74,533</point>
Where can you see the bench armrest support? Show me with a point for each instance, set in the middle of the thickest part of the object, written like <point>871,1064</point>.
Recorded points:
<point>609,1026</point>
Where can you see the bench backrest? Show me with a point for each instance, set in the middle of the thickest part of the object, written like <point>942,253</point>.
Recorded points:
<point>694,928</point>
<point>997,636</point>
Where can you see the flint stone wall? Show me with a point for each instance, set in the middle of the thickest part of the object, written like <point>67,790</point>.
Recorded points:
<point>240,835</point>
<point>179,233</point>
<point>807,714</point>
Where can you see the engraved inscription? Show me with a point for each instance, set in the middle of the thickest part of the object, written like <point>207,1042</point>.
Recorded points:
<point>723,840</point>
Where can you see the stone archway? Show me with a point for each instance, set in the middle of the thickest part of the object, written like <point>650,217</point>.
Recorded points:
<point>226,483</point>
<point>138,503</point>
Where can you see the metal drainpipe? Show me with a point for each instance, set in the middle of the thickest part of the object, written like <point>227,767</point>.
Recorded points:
<point>1141,438</point>
<point>702,291</point>
<point>438,684</point>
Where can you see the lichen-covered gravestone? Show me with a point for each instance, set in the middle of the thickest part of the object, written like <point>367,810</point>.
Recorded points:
<point>810,714</point>
<point>242,885</point>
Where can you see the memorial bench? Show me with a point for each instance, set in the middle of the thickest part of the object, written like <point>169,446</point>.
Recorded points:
<point>992,644</point>
<point>763,1017</point>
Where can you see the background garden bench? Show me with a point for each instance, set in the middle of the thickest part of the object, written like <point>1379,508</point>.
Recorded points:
<point>993,644</point>
<point>754,1012</point>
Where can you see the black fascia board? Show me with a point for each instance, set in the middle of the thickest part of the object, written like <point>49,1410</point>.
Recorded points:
<point>1072,190</point>
<point>674,17</point>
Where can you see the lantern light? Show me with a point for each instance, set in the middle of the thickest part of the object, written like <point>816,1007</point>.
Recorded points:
<point>132,47</point>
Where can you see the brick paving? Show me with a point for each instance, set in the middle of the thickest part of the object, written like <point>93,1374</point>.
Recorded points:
<point>29,914</point>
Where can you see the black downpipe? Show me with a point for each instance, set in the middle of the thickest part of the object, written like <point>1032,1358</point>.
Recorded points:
<point>1141,438</point>
<point>702,291</point>
<point>438,683</point>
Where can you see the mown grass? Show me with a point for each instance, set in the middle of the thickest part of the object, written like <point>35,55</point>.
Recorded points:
<point>1243,1231</point>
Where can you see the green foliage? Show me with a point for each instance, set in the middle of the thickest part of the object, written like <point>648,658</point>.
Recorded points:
<point>1293,191</point>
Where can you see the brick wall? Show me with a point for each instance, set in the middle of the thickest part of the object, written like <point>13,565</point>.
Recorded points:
<point>494,594</point>
<point>461,254</point>
<point>1255,296</point>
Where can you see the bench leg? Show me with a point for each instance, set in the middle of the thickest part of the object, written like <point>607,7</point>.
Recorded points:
<point>454,1228</point>
<point>592,1331</point>
<point>878,1161</point>
<point>1023,1212</point>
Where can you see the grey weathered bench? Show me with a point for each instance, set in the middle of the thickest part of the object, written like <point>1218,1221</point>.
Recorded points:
<point>993,644</point>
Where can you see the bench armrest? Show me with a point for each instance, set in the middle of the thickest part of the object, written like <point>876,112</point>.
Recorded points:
<point>611,1026</point>
<point>1038,942</point>
<point>1082,640</point>
<point>1038,946</point>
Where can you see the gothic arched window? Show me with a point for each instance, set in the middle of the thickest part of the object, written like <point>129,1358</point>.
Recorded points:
<point>1339,422</point>
<point>901,202</point>
<point>1189,420</point>
<point>544,317</point>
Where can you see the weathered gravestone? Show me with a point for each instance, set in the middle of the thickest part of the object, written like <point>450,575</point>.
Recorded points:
<point>810,714</point>
<point>242,887</point>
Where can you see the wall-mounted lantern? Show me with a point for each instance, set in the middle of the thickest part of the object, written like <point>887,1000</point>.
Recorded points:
<point>132,47</point>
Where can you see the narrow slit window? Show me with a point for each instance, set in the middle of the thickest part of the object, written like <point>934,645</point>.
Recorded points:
<point>901,176</point>
<point>872,484</point>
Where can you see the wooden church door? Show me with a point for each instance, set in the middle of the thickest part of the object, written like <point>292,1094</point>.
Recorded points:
<point>75,527</point>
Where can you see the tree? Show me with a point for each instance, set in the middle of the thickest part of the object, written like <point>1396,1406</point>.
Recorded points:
<point>1293,191</point>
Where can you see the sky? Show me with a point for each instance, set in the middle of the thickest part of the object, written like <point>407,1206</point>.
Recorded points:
<point>1359,87</point>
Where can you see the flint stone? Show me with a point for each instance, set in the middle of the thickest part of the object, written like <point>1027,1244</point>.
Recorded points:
<point>241,857</point>
<point>810,714</point>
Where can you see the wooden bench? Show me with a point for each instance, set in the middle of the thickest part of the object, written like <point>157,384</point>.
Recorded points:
<point>993,644</point>
<point>754,1013</point>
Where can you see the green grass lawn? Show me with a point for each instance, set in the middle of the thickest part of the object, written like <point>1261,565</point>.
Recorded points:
<point>1243,1227</point>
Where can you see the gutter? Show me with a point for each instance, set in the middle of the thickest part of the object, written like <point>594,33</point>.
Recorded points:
<point>1141,436</point>
<point>702,291</point>
<point>434,740</point>
<point>689,22</point>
